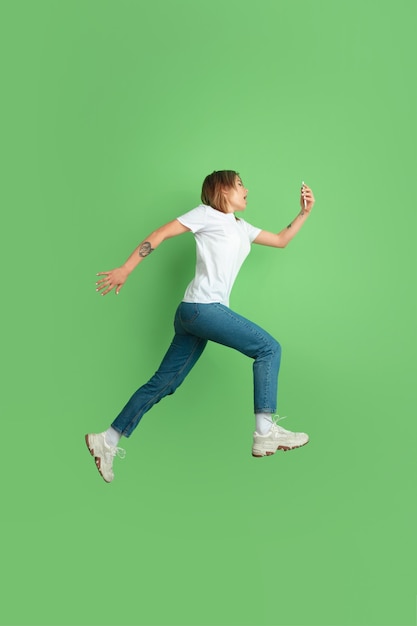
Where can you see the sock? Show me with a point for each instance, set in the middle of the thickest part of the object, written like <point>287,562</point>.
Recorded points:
<point>112,437</point>
<point>263,423</point>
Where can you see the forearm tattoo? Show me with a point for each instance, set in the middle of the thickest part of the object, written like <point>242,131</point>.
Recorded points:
<point>145,249</point>
<point>301,214</point>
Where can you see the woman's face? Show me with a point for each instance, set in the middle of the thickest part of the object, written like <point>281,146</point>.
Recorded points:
<point>236,196</point>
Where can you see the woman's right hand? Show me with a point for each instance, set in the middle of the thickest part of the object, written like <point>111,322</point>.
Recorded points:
<point>306,198</point>
<point>114,279</point>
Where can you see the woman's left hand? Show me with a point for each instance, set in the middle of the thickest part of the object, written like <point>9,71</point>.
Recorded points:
<point>114,279</point>
<point>306,198</point>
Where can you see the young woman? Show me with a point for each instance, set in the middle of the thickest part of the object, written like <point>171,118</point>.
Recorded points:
<point>223,242</point>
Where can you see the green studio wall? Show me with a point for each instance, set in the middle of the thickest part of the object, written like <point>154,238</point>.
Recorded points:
<point>113,113</point>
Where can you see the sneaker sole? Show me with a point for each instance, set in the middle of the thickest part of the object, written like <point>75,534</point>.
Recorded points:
<point>283,448</point>
<point>96,459</point>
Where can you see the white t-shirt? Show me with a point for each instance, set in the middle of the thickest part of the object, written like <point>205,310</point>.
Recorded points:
<point>223,243</point>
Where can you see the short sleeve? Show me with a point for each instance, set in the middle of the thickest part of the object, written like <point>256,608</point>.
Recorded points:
<point>252,231</point>
<point>195,219</point>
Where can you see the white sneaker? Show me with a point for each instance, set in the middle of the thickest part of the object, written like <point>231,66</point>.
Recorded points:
<point>277,439</point>
<point>103,454</point>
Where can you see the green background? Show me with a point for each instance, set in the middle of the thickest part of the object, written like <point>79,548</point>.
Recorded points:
<point>112,114</point>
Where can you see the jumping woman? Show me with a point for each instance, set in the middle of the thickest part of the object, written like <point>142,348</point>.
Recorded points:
<point>223,242</point>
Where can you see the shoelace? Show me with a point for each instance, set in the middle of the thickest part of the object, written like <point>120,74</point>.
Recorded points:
<point>278,419</point>
<point>120,452</point>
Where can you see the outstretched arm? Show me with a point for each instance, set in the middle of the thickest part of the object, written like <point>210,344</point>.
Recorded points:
<point>115,279</point>
<point>281,239</point>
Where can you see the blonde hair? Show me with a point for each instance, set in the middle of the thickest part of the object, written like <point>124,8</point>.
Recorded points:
<point>213,186</point>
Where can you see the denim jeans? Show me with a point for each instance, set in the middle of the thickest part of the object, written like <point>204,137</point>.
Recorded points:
<point>195,324</point>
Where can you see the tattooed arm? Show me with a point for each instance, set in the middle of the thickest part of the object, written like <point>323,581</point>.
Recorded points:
<point>281,239</point>
<point>115,279</point>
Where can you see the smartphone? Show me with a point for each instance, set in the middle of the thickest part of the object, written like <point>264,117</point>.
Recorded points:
<point>304,200</point>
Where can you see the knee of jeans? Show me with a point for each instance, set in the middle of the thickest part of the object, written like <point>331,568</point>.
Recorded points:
<point>276,349</point>
<point>271,350</point>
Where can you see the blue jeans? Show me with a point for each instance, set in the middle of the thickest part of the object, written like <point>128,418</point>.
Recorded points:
<point>195,324</point>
